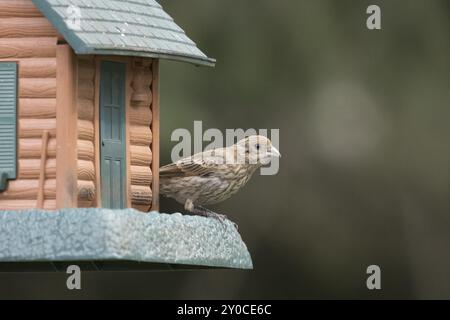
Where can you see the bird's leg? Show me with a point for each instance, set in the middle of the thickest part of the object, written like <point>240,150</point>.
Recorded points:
<point>211,214</point>
<point>204,212</point>
<point>189,205</point>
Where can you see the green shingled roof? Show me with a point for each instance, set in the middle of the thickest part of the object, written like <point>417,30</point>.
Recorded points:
<point>125,27</point>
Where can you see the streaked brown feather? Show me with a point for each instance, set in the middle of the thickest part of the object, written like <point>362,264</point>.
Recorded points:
<point>201,164</point>
<point>178,170</point>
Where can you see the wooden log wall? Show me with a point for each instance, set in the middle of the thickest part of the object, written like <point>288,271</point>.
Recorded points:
<point>86,135</point>
<point>27,38</point>
<point>139,126</point>
<point>139,134</point>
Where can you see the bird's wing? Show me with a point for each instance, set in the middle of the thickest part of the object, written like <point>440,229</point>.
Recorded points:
<point>175,170</point>
<point>202,164</point>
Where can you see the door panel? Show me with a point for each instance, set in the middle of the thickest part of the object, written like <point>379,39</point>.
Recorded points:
<point>112,135</point>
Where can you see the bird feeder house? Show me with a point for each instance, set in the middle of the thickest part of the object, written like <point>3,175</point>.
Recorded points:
<point>79,138</point>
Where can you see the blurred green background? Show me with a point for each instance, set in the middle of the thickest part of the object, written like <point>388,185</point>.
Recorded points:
<point>364,129</point>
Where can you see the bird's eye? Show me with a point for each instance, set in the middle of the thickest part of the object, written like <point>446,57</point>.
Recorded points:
<point>258,146</point>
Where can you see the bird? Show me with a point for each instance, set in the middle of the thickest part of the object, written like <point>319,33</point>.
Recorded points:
<point>213,176</point>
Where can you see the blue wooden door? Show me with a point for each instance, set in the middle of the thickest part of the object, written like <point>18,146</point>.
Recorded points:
<point>112,135</point>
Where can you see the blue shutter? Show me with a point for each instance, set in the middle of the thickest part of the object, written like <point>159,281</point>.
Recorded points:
<point>8,110</point>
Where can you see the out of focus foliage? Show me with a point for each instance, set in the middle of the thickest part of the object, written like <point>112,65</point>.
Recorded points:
<point>365,124</point>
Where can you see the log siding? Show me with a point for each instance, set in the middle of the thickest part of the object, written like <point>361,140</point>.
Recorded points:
<point>26,37</point>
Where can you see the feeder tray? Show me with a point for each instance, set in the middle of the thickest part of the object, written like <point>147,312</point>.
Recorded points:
<point>117,240</point>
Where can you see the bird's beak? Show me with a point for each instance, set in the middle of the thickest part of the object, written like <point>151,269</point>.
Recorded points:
<point>274,152</point>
